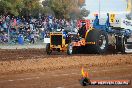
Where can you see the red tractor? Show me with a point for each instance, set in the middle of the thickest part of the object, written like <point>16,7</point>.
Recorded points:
<point>90,39</point>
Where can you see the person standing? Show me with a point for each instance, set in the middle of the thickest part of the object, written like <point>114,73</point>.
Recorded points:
<point>32,38</point>
<point>4,25</point>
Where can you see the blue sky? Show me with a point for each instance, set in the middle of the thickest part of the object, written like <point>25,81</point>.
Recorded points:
<point>112,6</point>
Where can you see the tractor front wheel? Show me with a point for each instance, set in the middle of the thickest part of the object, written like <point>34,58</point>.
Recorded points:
<point>48,50</point>
<point>70,49</point>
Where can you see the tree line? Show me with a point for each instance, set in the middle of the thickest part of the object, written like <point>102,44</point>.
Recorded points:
<point>68,9</point>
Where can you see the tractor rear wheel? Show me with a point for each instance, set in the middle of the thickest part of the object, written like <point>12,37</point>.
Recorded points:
<point>100,38</point>
<point>48,50</point>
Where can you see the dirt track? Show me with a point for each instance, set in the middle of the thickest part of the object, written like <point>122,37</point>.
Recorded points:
<point>15,61</point>
<point>20,62</point>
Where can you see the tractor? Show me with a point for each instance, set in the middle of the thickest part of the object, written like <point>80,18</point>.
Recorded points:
<point>94,38</point>
<point>58,42</point>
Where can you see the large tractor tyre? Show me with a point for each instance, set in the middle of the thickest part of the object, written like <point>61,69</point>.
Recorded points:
<point>81,50</point>
<point>48,50</point>
<point>100,38</point>
<point>120,44</point>
<point>70,49</point>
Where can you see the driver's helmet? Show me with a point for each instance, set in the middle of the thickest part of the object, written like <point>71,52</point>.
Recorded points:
<point>83,23</point>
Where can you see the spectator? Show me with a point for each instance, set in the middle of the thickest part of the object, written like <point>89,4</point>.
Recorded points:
<point>32,38</point>
<point>29,26</point>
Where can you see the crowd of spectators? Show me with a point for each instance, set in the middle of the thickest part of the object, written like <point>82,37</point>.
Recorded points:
<point>29,28</point>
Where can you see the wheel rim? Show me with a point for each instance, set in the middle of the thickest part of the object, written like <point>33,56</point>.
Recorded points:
<point>102,42</point>
<point>70,49</point>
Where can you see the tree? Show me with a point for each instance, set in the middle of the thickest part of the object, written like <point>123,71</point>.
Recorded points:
<point>31,7</point>
<point>69,9</point>
<point>11,7</point>
<point>85,12</point>
<point>20,7</point>
<point>65,8</point>
<point>5,7</point>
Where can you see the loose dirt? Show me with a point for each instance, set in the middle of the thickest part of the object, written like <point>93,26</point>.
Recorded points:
<point>31,60</point>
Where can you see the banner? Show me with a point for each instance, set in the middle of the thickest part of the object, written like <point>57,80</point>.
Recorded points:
<point>112,18</point>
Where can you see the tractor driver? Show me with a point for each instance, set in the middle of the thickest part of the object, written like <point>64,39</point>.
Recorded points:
<point>82,30</point>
